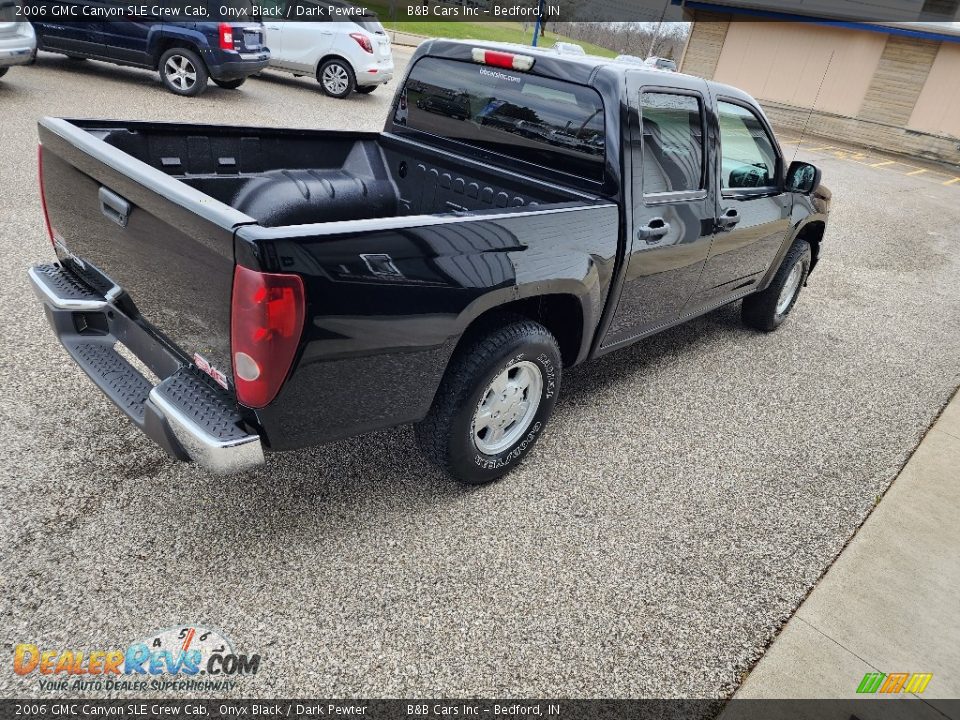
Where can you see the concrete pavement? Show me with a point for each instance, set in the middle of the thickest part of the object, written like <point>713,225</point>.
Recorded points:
<point>890,602</point>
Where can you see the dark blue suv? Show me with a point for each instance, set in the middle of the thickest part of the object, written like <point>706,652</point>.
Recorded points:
<point>186,54</point>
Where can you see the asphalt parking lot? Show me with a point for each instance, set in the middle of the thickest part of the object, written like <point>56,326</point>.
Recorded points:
<point>690,490</point>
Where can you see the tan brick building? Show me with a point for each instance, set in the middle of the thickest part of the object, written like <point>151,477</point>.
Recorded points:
<point>894,87</point>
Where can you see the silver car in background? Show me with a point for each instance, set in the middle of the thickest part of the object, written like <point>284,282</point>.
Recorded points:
<point>18,44</point>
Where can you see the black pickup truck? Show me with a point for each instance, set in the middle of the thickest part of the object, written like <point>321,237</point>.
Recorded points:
<point>238,290</point>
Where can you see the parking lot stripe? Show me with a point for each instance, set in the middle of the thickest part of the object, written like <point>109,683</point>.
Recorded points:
<point>917,172</point>
<point>881,164</point>
<point>951,182</point>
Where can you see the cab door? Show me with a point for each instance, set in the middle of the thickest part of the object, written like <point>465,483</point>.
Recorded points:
<point>69,31</point>
<point>673,204</point>
<point>753,211</point>
<point>127,41</point>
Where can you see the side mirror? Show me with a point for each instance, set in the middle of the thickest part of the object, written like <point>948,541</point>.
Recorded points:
<point>802,177</point>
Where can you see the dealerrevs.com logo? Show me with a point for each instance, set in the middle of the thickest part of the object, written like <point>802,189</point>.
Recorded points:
<point>180,658</point>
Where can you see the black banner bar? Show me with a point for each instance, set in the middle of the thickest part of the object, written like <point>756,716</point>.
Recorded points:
<point>417,11</point>
<point>876,708</point>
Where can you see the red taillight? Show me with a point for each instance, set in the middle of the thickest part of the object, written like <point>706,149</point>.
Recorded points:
<point>265,327</point>
<point>43,196</point>
<point>363,41</point>
<point>506,60</point>
<point>226,37</point>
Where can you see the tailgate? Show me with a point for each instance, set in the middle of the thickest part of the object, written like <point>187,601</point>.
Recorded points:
<point>118,221</point>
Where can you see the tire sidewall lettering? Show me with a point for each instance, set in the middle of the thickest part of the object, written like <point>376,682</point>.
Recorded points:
<point>549,370</point>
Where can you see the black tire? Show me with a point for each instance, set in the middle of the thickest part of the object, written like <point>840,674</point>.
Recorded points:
<point>504,346</point>
<point>366,89</point>
<point>345,79</point>
<point>3,71</point>
<point>185,60</point>
<point>760,310</point>
<point>230,84</point>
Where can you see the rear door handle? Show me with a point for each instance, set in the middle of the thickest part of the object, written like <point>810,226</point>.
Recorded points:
<point>653,230</point>
<point>729,218</point>
<point>114,207</point>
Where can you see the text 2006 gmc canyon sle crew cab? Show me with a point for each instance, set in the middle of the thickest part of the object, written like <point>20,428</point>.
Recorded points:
<point>523,211</point>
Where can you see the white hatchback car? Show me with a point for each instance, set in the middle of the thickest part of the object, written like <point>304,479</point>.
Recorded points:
<point>342,56</point>
<point>18,43</point>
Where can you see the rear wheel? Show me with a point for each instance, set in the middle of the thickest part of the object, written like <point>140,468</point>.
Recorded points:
<point>336,78</point>
<point>366,89</point>
<point>3,71</point>
<point>768,309</point>
<point>230,84</point>
<point>494,401</point>
<point>183,72</point>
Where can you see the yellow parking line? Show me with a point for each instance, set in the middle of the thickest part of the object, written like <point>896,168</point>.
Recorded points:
<point>825,147</point>
<point>916,172</point>
<point>881,164</point>
<point>951,182</point>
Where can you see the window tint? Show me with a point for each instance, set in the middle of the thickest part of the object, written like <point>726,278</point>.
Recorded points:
<point>672,143</point>
<point>747,155</point>
<point>539,120</point>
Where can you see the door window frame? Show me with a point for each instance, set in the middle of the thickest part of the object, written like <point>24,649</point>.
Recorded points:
<point>744,193</point>
<point>672,196</point>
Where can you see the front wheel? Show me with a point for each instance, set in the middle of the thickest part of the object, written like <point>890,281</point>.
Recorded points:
<point>230,84</point>
<point>494,401</point>
<point>768,309</point>
<point>336,78</point>
<point>183,72</point>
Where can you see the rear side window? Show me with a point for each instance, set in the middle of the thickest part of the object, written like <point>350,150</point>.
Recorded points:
<point>747,157</point>
<point>672,143</point>
<point>539,120</point>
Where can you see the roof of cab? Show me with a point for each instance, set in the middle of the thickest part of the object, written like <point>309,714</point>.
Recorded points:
<point>578,68</point>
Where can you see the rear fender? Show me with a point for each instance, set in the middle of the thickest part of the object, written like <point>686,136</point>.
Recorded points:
<point>164,37</point>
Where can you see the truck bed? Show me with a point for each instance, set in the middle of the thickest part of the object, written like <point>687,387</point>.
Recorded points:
<point>279,177</point>
<point>153,208</point>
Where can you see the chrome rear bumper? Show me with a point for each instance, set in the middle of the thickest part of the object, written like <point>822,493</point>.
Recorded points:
<point>186,413</point>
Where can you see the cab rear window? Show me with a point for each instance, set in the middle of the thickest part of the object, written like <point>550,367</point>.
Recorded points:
<point>539,120</point>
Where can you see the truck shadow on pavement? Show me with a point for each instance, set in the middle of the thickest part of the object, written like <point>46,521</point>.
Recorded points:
<point>388,465</point>
<point>598,375</point>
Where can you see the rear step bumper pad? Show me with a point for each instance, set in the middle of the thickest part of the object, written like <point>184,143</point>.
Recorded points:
<point>186,414</point>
